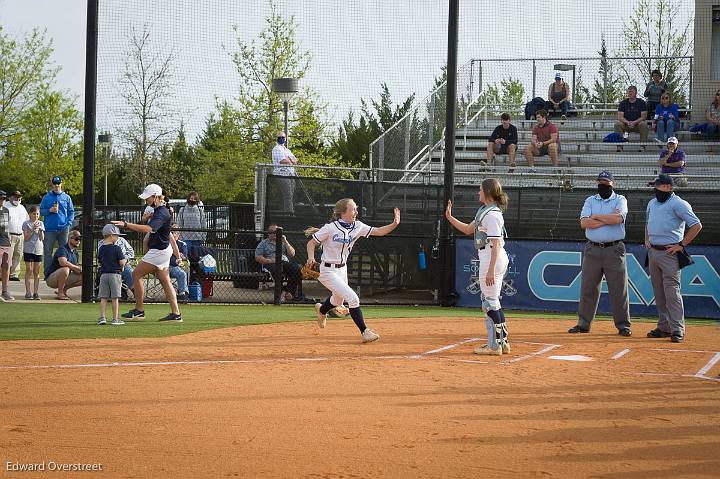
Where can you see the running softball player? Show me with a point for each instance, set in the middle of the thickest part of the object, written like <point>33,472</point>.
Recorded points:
<point>488,228</point>
<point>337,239</point>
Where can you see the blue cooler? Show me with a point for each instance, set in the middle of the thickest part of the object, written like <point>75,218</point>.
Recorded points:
<point>195,292</point>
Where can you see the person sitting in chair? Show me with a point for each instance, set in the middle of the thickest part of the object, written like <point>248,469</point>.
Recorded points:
<point>265,255</point>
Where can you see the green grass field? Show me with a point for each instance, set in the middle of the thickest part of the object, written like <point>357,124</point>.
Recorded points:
<point>77,321</point>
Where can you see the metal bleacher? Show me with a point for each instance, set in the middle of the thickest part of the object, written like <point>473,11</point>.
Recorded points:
<point>583,155</point>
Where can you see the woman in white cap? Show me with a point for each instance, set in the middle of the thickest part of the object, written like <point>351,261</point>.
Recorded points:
<point>161,246</point>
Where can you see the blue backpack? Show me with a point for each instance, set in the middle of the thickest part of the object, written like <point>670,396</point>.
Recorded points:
<point>614,138</point>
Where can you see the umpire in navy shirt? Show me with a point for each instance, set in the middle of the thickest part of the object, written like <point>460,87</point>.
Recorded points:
<point>666,239</point>
<point>603,219</point>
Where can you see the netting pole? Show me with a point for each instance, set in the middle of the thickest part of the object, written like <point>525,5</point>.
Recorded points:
<point>690,89</point>
<point>534,78</point>
<point>447,284</point>
<point>89,149</point>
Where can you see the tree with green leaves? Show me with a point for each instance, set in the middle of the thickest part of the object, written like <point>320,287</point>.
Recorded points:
<point>509,95</point>
<point>655,30</point>
<point>225,158</point>
<point>25,73</point>
<point>40,129</point>
<point>277,55</point>
<point>354,136</point>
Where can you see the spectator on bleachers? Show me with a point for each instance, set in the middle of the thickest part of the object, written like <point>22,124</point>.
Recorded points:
<point>558,97</point>
<point>672,158</point>
<point>711,128</point>
<point>503,140</point>
<point>667,116</point>
<point>632,115</point>
<point>654,91</point>
<point>545,141</point>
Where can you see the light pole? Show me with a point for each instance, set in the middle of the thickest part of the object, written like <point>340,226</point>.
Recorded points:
<point>105,140</point>
<point>285,88</point>
<point>566,67</point>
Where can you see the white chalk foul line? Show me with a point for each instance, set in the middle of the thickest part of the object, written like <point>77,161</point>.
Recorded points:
<point>620,354</point>
<point>672,350</point>
<point>450,346</point>
<point>549,347</point>
<point>713,361</point>
<point>205,362</point>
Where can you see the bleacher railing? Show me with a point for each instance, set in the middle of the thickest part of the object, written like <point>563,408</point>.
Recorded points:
<point>597,85</point>
<point>423,126</point>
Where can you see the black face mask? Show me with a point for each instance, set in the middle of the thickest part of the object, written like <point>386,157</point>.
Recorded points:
<point>192,202</point>
<point>604,190</point>
<point>662,196</point>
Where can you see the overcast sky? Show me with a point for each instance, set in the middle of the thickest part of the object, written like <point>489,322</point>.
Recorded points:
<point>355,45</point>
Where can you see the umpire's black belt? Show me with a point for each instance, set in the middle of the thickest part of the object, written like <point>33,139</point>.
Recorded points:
<point>334,265</point>
<point>661,247</point>
<point>605,245</point>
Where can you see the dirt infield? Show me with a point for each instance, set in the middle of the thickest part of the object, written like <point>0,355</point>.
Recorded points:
<point>283,401</point>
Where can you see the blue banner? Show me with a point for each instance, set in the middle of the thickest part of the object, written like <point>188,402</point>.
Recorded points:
<point>546,276</point>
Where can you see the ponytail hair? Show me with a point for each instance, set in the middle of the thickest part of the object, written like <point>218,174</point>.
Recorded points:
<point>493,190</point>
<point>340,208</point>
<point>310,231</point>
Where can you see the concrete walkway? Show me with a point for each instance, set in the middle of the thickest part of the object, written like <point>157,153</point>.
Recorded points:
<point>47,295</point>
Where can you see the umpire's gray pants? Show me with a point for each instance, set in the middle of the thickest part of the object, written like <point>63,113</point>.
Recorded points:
<point>609,261</point>
<point>287,194</point>
<point>665,277</point>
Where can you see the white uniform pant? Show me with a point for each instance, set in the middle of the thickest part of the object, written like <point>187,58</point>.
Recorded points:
<point>335,279</point>
<point>501,265</point>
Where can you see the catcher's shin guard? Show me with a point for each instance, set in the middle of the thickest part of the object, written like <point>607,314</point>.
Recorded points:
<point>492,341</point>
<point>502,331</point>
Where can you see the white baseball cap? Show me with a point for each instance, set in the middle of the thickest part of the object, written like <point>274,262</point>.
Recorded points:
<point>150,190</point>
<point>673,139</point>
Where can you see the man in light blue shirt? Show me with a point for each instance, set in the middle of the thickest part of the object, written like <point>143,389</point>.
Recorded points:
<point>603,219</point>
<point>666,239</point>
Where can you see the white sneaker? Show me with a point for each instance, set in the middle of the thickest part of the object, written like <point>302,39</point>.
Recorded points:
<point>368,336</point>
<point>7,296</point>
<point>102,321</point>
<point>486,350</point>
<point>117,322</point>
<point>321,318</point>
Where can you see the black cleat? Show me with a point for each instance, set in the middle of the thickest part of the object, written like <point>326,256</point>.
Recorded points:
<point>578,329</point>
<point>625,332</point>
<point>658,333</point>
<point>172,317</point>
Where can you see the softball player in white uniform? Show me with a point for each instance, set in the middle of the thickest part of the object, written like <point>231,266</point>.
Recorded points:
<point>337,239</point>
<point>488,229</point>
